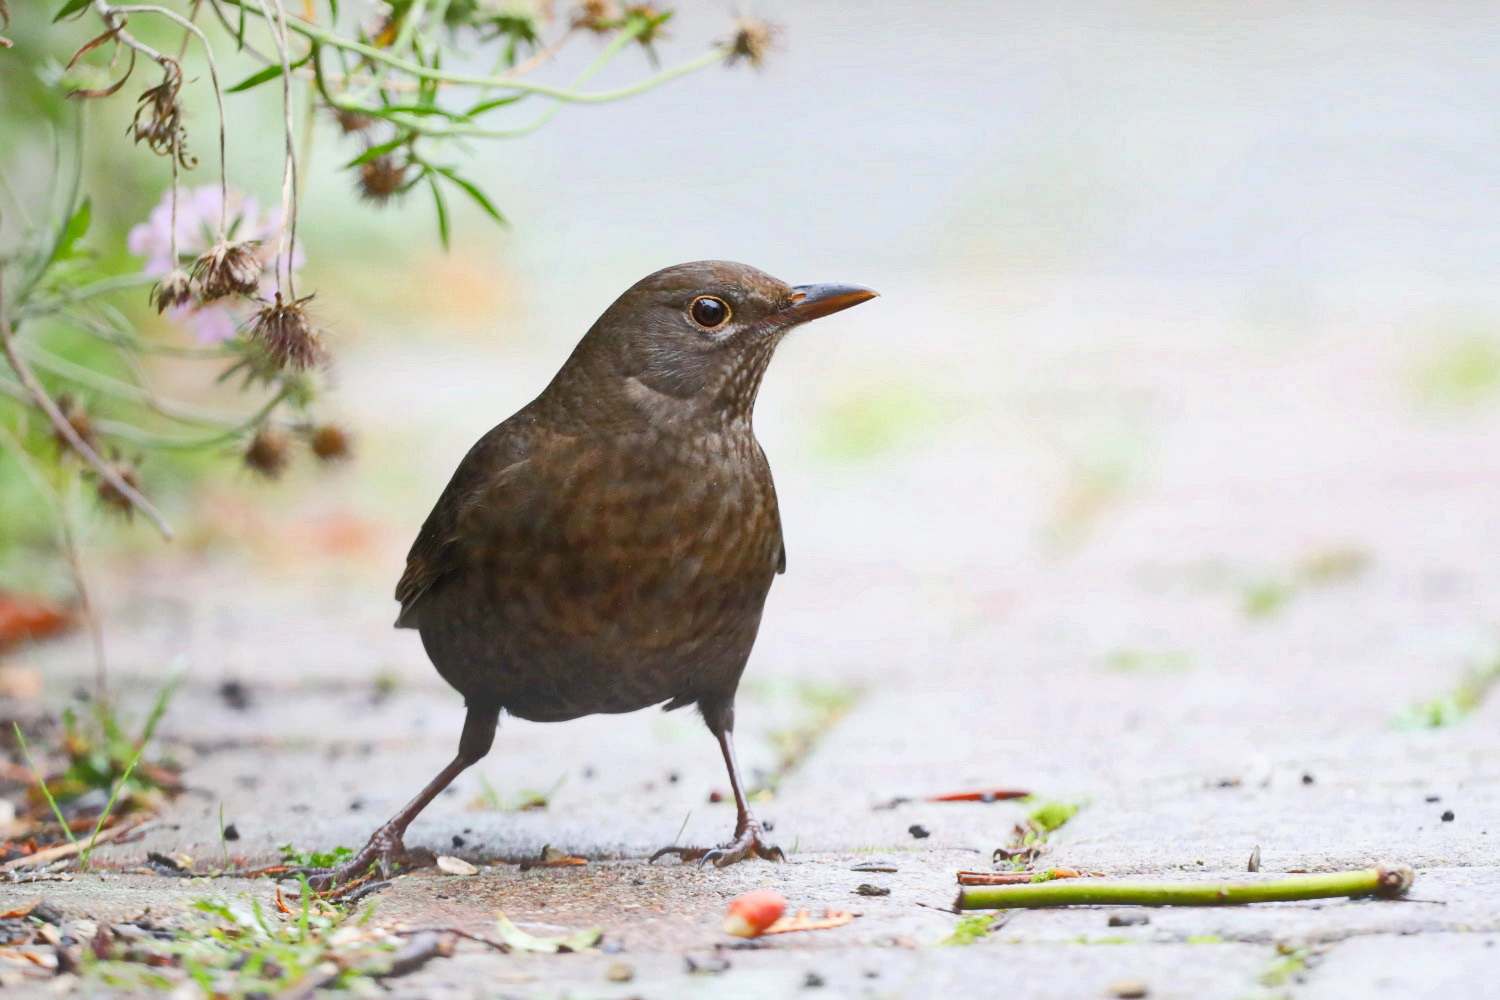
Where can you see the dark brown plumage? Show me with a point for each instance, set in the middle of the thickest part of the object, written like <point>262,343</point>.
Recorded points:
<point>610,546</point>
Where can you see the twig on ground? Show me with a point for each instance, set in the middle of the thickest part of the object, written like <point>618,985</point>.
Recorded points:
<point>49,854</point>
<point>1388,881</point>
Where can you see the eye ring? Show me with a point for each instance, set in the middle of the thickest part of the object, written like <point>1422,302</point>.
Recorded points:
<point>710,312</point>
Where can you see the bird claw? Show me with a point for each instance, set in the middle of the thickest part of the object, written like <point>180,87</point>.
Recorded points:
<point>384,850</point>
<point>743,846</point>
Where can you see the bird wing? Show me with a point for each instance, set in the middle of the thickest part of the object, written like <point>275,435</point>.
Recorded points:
<point>490,471</point>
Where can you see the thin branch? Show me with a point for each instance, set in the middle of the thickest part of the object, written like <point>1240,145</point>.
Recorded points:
<point>60,424</point>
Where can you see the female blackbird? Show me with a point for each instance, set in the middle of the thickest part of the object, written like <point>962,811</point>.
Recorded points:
<point>611,545</point>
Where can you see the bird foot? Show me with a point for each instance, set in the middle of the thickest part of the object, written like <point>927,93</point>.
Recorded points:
<point>384,849</point>
<point>746,843</point>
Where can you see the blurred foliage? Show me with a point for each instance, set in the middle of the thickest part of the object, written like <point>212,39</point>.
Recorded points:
<point>96,394</point>
<point>1460,373</point>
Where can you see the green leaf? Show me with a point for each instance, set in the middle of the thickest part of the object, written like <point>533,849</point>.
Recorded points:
<point>473,192</point>
<point>264,76</point>
<point>74,231</point>
<point>377,150</point>
<point>442,210</point>
<point>71,7</point>
<point>497,103</point>
<point>519,940</point>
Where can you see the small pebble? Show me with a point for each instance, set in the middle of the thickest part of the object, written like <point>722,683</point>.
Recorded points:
<point>1128,989</point>
<point>867,889</point>
<point>871,867</point>
<point>1307,779</point>
<point>1447,816</point>
<point>919,831</point>
<point>812,981</point>
<point>713,965</point>
<point>674,777</point>
<point>1434,798</point>
<point>1130,918</point>
<point>231,832</point>
<point>716,796</point>
<point>458,841</point>
<point>620,972</point>
<point>235,695</point>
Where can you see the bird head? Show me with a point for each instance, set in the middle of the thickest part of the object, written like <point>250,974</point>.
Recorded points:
<point>693,340</point>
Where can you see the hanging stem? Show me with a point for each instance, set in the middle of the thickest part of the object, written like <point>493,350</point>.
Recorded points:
<point>289,175</point>
<point>1387,881</point>
<point>213,77</point>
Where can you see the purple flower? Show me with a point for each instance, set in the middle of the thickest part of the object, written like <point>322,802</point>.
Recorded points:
<point>198,231</point>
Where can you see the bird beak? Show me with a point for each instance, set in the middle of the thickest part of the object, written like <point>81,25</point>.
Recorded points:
<point>814,301</point>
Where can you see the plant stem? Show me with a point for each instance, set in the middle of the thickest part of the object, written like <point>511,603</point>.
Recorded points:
<point>72,551</point>
<point>1387,881</point>
<point>60,423</point>
<point>41,783</point>
<point>104,286</point>
<point>330,38</point>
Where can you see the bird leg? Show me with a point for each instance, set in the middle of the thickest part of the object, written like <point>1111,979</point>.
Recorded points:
<point>747,829</point>
<point>385,846</point>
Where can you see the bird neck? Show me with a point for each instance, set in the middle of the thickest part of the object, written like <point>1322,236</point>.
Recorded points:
<point>604,389</point>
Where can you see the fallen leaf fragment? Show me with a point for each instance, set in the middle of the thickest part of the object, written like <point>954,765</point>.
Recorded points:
<point>455,866</point>
<point>803,920</point>
<point>21,910</point>
<point>26,618</point>
<point>981,795</point>
<point>750,914</point>
<point>551,857</point>
<point>518,940</point>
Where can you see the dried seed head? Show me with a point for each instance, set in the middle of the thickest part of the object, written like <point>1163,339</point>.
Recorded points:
<point>110,496</point>
<point>283,330</point>
<point>329,442</point>
<point>381,178</point>
<point>352,121</point>
<point>78,418</point>
<point>158,117</point>
<point>269,453</point>
<point>598,15</point>
<point>176,289</point>
<point>753,40</point>
<point>653,22</point>
<point>228,269</point>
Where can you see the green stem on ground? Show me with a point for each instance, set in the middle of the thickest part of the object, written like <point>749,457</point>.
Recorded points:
<point>1388,881</point>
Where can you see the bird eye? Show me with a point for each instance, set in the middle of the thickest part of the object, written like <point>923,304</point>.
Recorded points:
<point>709,312</point>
